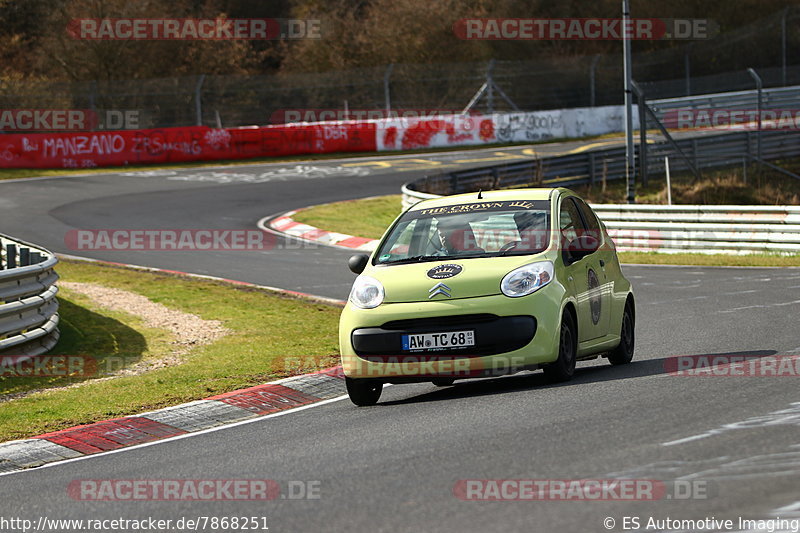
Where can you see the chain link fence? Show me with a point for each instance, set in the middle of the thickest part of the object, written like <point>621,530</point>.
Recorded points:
<point>769,45</point>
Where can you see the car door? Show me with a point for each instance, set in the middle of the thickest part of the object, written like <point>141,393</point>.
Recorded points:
<point>599,264</point>
<point>584,275</point>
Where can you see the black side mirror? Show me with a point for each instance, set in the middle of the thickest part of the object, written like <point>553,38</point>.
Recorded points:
<point>358,263</point>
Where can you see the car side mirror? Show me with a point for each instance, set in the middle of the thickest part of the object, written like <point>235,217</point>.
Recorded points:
<point>358,263</point>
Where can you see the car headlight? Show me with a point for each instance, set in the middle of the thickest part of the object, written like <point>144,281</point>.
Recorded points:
<point>367,292</point>
<point>527,279</point>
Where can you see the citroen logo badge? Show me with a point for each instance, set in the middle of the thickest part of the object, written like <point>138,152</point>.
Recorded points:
<point>440,288</point>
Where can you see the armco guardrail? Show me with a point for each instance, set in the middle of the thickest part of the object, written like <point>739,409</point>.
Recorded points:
<point>705,151</point>
<point>778,98</point>
<point>692,228</point>
<point>28,305</point>
<point>702,228</point>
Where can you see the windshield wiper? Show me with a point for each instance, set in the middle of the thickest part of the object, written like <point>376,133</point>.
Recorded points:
<point>508,250</point>
<point>520,251</point>
<point>428,258</point>
<point>411,259</point>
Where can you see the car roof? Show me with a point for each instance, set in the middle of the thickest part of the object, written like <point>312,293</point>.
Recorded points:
<point>540,193</point>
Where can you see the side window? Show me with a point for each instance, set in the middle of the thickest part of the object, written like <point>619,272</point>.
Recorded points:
<point>592,224</point>
<point>413,239</point>
<point>403,241</point>
<point>426,238</point>
<point>569,221</point>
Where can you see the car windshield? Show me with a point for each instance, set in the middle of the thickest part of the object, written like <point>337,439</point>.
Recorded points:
<point>462,231</point>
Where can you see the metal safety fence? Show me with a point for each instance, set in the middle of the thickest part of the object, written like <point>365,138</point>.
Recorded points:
<point>690,228</point>
<point>547,82</point>
<point>589,167</point>
<point>661,228</point>
<point>28,304</point>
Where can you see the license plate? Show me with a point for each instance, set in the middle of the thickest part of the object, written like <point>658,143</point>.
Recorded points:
<point>439,341</point>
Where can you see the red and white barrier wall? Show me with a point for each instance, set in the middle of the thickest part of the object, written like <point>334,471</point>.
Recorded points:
<point>201,143</point>
<point>465,130</point>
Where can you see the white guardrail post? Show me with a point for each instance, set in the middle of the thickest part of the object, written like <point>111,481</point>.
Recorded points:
<point>733,229</point>
<point>28,305</point>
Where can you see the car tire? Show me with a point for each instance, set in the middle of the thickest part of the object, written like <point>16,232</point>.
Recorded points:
<point>564,367</point>
<point>363,392</point>
<point>443,382</point>
<point>623,353</point>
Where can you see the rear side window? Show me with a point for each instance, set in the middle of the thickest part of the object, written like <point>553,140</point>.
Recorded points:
<point>592,223</point>
<point>569,221</point>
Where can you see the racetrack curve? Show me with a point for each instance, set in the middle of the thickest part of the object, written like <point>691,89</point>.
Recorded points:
<point>393,467</point>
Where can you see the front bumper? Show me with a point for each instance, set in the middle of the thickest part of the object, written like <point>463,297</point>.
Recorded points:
<point>511,334</point>
<point>493,335</point>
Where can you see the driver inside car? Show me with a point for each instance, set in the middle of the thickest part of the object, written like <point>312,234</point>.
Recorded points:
<point>458,239</point>
<point>532,228</point>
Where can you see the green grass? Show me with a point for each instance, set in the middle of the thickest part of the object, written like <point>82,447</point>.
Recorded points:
<point>363,218</point>
<point>375,214</point>
<point>100,337</point>
<point>272,336</point>
<point>655,258</point>
<point>715,187</point>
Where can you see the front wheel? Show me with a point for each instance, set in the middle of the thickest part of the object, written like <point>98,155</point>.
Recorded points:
<point>623,353</point>
<point>363,392</point>
<point>564,367</point>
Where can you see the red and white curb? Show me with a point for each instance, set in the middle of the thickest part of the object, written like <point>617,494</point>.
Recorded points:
<point>200,415</point>
<point>191,417</point>
<point>286,225</point>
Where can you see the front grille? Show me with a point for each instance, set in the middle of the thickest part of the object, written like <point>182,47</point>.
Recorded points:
<point>493,335</point>
<point>439,321</point>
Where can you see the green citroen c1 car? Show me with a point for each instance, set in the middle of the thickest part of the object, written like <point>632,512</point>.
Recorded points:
<point>485,284</point>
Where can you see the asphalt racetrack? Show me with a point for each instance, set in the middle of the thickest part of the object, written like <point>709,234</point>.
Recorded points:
<point>725,447</point>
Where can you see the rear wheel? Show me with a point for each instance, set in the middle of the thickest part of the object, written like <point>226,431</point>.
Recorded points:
<point>363,392</point>
<point>623,353</point>
<point>564,367</point>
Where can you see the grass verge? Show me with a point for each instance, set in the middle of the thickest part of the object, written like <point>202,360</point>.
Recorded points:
<point>375,215</point>
<point>272,336</point>
<point>732,186</point>
<point>368,217</point>
<point>749,260</point>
